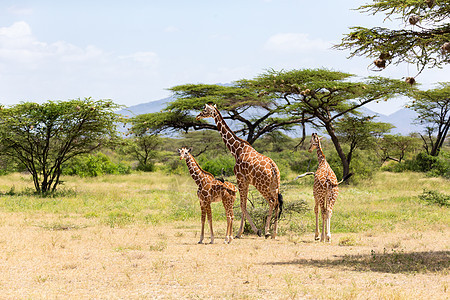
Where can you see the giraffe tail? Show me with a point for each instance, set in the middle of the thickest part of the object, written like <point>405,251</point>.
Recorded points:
<point>345,178</point>
<point>280,204</point>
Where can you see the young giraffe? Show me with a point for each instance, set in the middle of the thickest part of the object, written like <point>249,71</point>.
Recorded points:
<point>211,190</point>
<point>325,190</point>
<point>251,168</point>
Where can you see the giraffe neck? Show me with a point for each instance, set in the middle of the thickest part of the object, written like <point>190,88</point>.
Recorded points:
<point>228,136</point>
<point>320,155</point>
<point>194,169</point>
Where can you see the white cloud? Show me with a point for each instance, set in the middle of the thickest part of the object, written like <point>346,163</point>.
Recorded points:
<point>16,30</point>
<point>31,69</point>
<point>295,42</point>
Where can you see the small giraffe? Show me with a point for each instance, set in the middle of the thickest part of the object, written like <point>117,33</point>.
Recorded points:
<point>251,168</point>
<point>325,190</point>
<point>211,190</point>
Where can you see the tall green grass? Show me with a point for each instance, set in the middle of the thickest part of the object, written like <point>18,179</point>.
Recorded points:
<point>386,202</point>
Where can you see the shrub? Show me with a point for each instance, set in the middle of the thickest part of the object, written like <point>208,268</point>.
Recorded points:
<point>94,165</point>
<point>432,165</point>
<point>219,165</point>
<point>363,164</point>
<point>172,164</point>
<point>258,209</point>
<point>434,197</point>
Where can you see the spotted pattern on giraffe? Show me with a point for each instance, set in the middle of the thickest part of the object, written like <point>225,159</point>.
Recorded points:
<point>251,168</point>
<point>325,191</point>
<point>211,190</point>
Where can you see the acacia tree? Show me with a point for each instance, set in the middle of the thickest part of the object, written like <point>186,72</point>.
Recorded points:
<point>321,97</point>
<point>44,136</point>
<point>251,112</point>
<point>360,132</point>
<point>395,147</point>
<point>425,40</point>
<point>433,107</point>
<point>275,100</point>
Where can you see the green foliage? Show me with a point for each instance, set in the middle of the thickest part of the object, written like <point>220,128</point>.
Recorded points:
<point>431,165</point>
<point>397,147</point>
<point>170,163</point>
<point>434,197</point>
<point>94,165</point>
<point>44,136</point>
<point>363,166</point>
<point>360,132</point>
<point>433,107</point>
<point>221,165</point>
<point>417,44</point>
<point>143,148</point>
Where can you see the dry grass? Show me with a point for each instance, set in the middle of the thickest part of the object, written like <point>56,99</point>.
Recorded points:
<point>98,241</point>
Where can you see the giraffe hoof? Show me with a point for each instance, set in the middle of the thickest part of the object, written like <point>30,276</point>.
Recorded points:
<point>267,235</point>
<point>200,242</point>
<point>259,233</point>
<point>237,237</point>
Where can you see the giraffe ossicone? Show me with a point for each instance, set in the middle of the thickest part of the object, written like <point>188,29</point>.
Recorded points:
<point>211,190</point>
<point>251,168</point>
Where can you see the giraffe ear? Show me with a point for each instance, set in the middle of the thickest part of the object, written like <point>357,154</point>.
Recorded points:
<point>320,138</point>
<point>215,106</point>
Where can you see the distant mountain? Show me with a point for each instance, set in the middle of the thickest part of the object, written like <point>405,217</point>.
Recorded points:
<point>403,119</point>
<point>146,108</point>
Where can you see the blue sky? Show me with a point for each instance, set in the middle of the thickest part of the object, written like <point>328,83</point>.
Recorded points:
<point>133,51</point>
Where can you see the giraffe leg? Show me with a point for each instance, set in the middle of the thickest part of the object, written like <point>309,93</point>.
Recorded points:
<point>243,191</point>
<point>317,233</point>
<point>228,205</point>
<point>208,211</point>
<point>275,224</point>
<point>324,222</point>
<point>328,237</point>
<point>269,217</point>
<point>202,233</point>
<point>332,196</point>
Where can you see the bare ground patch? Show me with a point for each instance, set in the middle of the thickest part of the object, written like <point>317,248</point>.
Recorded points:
<point>84,260</point>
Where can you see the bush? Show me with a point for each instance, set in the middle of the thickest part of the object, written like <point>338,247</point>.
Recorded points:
<point>219,165</point>
<point>258,209</point>
<point>94,165</point>
<point>363,164</point>
<point>171,164</point>
<point>434,197</point>
<point>149,167</point>
<point>431,165</point>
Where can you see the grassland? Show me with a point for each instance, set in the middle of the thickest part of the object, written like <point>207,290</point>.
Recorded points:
<point>135,236</point>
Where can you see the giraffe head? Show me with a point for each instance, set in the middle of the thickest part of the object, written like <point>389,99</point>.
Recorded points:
<point>208,112</point>
<point>184,152</point>
<point>315,142</point>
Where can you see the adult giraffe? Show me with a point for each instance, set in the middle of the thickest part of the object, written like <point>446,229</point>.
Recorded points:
<point>251,168</point>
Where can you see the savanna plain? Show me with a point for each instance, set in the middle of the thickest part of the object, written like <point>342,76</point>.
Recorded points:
<point>135,237</point>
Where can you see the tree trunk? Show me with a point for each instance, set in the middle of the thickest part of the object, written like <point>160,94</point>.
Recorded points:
<point>337,146</point>
<point>440,140</point>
